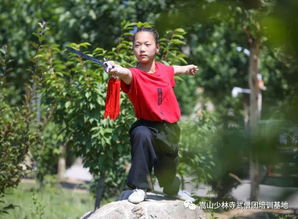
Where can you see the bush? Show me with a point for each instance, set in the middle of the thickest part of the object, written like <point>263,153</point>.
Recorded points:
<point>15,139</point>
<point>212,154</point>
<point>195,148</point>
<point>15,142</point>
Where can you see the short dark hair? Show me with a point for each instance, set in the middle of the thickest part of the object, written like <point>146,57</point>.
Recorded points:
<point>147,29</point>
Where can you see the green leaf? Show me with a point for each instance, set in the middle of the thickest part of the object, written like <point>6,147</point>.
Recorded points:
<point>87,95</point>
<point>67,104</point>
<point>84,45</point>
<point>180,30</point>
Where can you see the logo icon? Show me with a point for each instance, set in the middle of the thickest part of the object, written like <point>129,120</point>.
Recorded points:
<point>190,205</point>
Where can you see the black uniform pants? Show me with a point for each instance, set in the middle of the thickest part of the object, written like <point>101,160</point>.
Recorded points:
<point>154,145</point>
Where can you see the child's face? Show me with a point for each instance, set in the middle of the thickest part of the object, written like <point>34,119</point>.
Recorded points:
<point>145,47</point>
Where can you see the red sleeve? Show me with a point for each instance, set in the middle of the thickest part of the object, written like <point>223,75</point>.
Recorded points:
<point>171,76</point>
<point>125,87</point>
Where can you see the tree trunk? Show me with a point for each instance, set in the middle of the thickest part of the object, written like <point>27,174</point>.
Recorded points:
<point>62,162</point>
<point>99,191</point>
<point>254,116</point>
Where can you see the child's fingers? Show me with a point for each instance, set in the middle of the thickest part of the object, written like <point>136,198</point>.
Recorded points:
<point>193,69</point>
<point>109,66</point>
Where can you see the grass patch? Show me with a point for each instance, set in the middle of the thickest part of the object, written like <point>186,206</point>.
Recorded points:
<point>48,203</point>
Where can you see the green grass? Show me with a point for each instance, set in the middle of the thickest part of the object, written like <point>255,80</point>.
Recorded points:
<point>49,203</point>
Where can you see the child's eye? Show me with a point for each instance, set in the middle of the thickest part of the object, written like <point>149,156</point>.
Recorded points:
<point>147,44</point>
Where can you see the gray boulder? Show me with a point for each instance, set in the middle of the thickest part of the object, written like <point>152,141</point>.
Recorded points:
<point>155,206</point>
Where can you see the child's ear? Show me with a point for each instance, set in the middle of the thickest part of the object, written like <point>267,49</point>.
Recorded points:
<point>157,48</point>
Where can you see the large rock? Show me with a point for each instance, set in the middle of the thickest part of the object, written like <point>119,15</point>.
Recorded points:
<point>155,206</point>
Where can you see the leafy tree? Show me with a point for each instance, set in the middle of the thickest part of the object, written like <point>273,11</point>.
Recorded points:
<point>96,22</point>
<point>222,29</point>
<point>220,33</point>
<point>16,136</point>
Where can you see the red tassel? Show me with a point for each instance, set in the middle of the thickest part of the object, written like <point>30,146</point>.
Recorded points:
<point>112,107</point>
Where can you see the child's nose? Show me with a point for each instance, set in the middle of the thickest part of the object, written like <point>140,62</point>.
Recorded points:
<point>142,47</point>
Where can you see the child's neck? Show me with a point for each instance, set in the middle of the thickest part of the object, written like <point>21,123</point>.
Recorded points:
<point>149,67</point>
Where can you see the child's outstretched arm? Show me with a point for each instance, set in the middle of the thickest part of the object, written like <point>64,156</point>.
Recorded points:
<point>123,74</point>
<point>185,69</point>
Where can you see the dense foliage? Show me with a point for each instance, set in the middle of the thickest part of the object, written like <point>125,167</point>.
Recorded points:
<point>16,136</point>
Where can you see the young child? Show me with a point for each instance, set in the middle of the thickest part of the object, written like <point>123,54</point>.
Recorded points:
<point>155,135</point>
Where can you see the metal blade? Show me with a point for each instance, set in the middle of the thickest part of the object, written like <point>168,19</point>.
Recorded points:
<point>87,57</point>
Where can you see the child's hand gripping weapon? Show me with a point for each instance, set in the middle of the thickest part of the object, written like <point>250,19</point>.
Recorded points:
<point>112,106</point>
